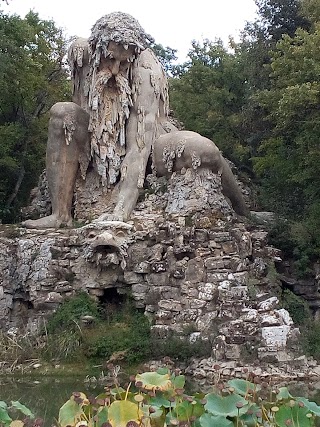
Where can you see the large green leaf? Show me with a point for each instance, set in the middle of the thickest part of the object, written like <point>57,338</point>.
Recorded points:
<point>208,420</point>
<point>4,416</point>
<point>249,419</point>
<point>312,406</point>
<point>184,410</point>
<point>296,416</point>
<point>101,416</point>
<point>3,404</point>
<point>69,413</point>
<point>122,411</point>
<point>160,401</point>
<point>179,381</point>
<point>26,411</point>
<point>154,381</point>
<point>242,386</point>
<point>283,394</point>
<point>226,405</point>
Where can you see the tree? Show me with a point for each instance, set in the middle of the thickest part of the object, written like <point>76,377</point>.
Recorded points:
<point>288,160</point>
<point>279,17</point>
<point>32,77</point>
<point>166,55</point>
<point>207,96</point>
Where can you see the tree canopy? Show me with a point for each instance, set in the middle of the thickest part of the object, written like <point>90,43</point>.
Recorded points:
<point>32,77</point>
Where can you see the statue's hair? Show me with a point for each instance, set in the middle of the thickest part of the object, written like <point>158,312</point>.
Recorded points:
<point>121,28</point>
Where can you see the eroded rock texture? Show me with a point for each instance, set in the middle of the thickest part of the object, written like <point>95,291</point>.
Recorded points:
<point>187,260</point>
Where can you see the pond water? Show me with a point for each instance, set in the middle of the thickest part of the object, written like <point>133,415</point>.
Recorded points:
<point>44,396</point>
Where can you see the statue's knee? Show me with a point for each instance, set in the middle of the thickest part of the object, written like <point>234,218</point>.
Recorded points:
<point>61,109</point>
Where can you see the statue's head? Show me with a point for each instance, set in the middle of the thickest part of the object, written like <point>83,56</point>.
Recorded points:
<point>119,28</point>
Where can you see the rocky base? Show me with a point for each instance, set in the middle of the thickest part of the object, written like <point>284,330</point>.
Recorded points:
<point>196,269</point>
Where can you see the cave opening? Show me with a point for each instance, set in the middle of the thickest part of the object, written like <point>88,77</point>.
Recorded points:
<point>112,303</point>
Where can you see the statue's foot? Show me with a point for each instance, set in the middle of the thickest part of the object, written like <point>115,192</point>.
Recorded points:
<point>109,217</point>
<point>51,221</point>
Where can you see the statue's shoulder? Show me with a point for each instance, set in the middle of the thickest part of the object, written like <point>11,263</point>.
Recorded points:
<point>147,59</point>
<point>78,51</point>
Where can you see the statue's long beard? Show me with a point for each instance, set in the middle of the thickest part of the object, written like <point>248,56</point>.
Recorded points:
<point>109,105</point>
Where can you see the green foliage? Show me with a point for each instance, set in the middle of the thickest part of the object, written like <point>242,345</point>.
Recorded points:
<point>167,56</point>
<point>156,401</point>
<point>70,312</point>
<point>8,413</point>
<point>127,332</point>
<point>180,348</point>
<point>32,78</point>
<point>207,96</point>
<point>296,306</point>
<point>311,339</point>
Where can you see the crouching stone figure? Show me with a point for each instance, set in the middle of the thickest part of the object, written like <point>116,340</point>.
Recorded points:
<point>118,116</point>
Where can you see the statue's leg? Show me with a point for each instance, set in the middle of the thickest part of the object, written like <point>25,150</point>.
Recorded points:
<point>67,137</point>
<point>182,149</point>
<point>232,190</point>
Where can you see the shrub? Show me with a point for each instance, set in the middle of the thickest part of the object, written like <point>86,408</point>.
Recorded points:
<point>69,313</point>
<point>296,306</point>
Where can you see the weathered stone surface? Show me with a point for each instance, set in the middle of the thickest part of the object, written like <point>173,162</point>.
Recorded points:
<point>201,270</point>
<point>275,337</point>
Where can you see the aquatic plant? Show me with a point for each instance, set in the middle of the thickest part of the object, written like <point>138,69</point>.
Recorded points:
<point>159,399</point>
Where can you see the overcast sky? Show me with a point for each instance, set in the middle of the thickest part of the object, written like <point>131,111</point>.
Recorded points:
<point>173,23</point>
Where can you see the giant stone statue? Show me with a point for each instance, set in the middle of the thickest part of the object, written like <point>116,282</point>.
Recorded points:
<point>117,120</point>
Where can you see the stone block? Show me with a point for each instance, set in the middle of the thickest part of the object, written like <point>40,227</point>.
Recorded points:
<point>131,278</point>
<point>142,267</point>
<point>275,336</point>
<point>158,279</point>
<point>54,297</point>
<point>170,305</point>
<point>268,304</point>
<point>195,271</point>
<point>239,292</point>
<point>232,352</point>
<point>220,236</point>
<point>204,323</point>
<point>197,303</point>
<point>214,263</point>
<point>208,291</point>
<point>188,315</point>
<point>216,277</point>
<point>159,267</point>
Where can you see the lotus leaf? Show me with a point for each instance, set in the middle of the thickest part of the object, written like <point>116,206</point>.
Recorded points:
<point>160,401</point>
<point>227,406</point>
<point>242,386</point>
<point>26,411</point>
<point>17,423</point>
<point>4,416</point>
<point>208,420</point>
<point>179,381</point>
<point>122,411</point>
<point>283,394</point>
<point>70,413</point>
<point>312,406</point>
<point>154,381</point>
<point>296,414</point>
<point>102,416</point>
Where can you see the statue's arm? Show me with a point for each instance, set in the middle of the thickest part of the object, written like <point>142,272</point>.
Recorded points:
<point>149,86</point>
<point>78,59</point>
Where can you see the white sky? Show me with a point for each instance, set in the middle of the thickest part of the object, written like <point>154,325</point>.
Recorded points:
<point>173,23</point>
